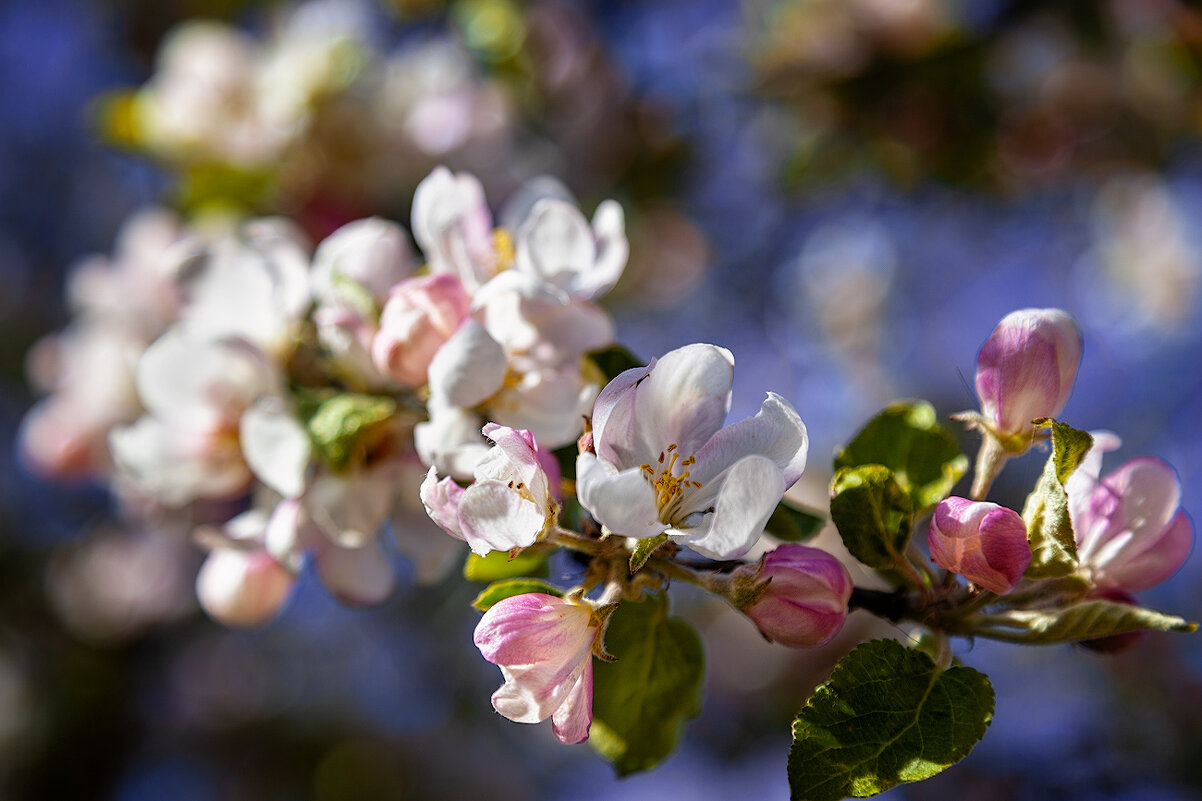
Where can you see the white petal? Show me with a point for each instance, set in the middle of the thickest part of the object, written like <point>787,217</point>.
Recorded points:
<point>571,721</point>
<point>374,253</point>
<point>350,508</point>
<point>556,245</point>
<point>776,432</point>
<point>749,492</point>
<point>441,499</point>
<point>495,517</point>
<point>276,446</point>
<point>469,368</point>
<point>614,432</point>
<point>358,576</point>
<point>623,502</point>
<point>684,399</point>
<point>452,224</point>
<point>551,404</point>
<point>287,532</point>
<point>450,440</point>
<point>609,229</point>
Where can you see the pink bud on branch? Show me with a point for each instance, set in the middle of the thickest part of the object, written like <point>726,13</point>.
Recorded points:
<point>805,603</point>
<point>984,542</point>
<point>1025,371</point>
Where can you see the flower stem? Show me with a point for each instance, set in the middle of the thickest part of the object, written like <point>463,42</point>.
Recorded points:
<point>578,542</point>
<point>991,458</point>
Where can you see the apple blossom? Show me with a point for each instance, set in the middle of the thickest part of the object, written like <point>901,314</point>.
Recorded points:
<point>664,463</point>
<point>805,602</point>
<point>1026,370</point>
<point>1131,532</point>
<point>510,503</point>
<point>187,446</point>
<point>544,647</point>
<point>556,244</point>
<point>984,542</point>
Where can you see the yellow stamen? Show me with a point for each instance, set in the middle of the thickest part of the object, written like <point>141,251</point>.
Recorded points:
<point>672,489</point>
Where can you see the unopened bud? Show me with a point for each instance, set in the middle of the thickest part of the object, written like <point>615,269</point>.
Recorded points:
<point>805,601</point>
<point>984,542</point>
<point>420,316</point>
<point>1026,370</point>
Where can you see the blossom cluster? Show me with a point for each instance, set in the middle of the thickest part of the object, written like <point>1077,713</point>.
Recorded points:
<point>232,364</point>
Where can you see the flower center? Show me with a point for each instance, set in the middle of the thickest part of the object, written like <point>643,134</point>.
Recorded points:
<point>672,488</point>
<point>503,249</point>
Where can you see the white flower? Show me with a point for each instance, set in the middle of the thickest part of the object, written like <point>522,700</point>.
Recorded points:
<point>664,463</point>
<point>510,502</point>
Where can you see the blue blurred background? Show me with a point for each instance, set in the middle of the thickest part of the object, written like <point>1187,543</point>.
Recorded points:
<point>847,195</point>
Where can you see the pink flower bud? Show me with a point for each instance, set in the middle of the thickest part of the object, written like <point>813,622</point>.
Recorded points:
<point>242,588</point>
<point>1026,369</point>
<point>544,647</point>
<point>419,317</point>
<point>1131,531</point>
<point>984,542</point>
<point>805,604</point>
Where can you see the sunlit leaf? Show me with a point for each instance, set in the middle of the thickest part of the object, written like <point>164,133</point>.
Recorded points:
<point>887,715</point>
<point>500,590</point>
<point>907,438</point>
<point>1049,527</point>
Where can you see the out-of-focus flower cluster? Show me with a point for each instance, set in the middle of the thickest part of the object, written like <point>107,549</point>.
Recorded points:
<point>312,116</point>
<point>312,387</point>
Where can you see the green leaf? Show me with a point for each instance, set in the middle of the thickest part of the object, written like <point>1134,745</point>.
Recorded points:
<point>339,425</point>
<point>500,590</point>
<point>614,360</point>
<point>1049,528</point>
<point>642,700</point>
<point>792,523</point>
<point>643,550</point>
<point>873,514</point>
<point>887,715</point>
<point>1069,446</point>
<point>907,438</point>
<point>497,565</point>
<point>1087,620</point>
